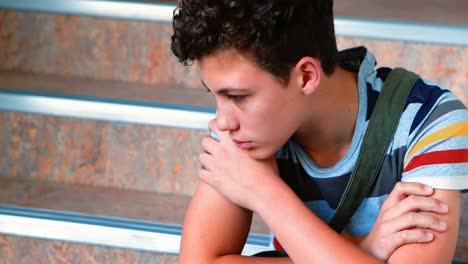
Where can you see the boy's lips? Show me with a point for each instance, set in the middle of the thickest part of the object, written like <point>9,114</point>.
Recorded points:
<point>243,144</point>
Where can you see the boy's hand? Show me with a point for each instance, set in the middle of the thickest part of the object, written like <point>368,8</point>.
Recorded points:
<point>402,220</point>
<point>233,173</point>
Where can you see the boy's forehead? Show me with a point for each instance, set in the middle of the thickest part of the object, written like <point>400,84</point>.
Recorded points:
<point>230,70</point>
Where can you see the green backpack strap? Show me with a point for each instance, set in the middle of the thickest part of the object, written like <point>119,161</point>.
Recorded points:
<point>382,125</point>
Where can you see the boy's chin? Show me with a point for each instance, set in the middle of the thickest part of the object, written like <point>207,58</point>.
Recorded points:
<point>261,154</point>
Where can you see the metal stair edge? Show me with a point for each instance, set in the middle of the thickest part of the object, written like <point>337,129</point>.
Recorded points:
<point>102,230</point>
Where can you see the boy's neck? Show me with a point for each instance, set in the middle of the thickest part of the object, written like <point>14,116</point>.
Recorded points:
<point>328,131</point>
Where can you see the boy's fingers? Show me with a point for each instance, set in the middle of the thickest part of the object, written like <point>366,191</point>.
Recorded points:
<point>393,241</point>
<point>413,220</point>
<point>404,189</point>
<point>205,176</point>
<point>416,203</point>
<point>410,236</point>
<point>205,160</point>
<point>208,144</point>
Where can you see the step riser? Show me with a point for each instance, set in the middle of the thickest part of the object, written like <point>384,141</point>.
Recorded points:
<point>15,249</point>
<point>75,151</point>
<point>445,65</point>
<point>90,47</point>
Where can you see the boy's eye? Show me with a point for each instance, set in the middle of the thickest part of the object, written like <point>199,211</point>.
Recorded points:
<point>236,98</point>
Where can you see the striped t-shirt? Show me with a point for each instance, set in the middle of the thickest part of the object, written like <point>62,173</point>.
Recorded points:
<point>430,146</point>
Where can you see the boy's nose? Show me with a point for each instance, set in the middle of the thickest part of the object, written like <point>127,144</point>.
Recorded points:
<point>225,122</point>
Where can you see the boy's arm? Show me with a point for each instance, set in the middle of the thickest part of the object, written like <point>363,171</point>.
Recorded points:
<point>442,248</point>
<point>215,230</point>
<point>298,229</point>
<point>404,219</point>
<point>305,237</point>
<point>437,155</point>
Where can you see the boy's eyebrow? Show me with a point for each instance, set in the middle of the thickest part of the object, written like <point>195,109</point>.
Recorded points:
<point>223,90</point>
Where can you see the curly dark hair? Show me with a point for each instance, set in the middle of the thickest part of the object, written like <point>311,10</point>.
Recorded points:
<point>276,33</point>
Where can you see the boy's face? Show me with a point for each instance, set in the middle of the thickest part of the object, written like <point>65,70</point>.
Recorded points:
<point>258,112</point>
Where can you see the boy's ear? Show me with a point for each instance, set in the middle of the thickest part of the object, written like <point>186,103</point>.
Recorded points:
<point>309,74</point>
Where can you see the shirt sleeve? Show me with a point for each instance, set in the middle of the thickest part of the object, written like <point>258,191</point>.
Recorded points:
<point>438,154</point>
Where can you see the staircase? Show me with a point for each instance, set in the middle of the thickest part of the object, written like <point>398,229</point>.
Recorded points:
<point>100,125</point>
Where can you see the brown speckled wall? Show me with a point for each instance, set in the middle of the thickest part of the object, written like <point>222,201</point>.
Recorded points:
<point>22,250</point>
<point>76,151</point>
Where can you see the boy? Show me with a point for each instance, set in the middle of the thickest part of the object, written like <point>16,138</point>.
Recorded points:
<point>291,115</point>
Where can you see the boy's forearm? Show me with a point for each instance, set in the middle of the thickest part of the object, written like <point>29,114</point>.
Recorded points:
<point>213,227</point>
<point>297,228</point>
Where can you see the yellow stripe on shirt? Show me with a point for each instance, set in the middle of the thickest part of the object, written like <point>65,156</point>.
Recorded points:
<point>458,129</point>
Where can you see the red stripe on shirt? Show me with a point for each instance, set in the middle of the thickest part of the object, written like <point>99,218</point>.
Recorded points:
<point>277,245</point>
<point>438,157</point>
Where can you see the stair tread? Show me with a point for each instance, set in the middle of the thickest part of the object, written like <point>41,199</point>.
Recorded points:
<point>136,205</point>
<point>75,86</point>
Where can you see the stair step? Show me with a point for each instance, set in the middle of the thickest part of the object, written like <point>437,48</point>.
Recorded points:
<point>94,89</point>
<point>101,133</point>
<point>145,206</point>
<point>108,109</point>
<point>101,216</point>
